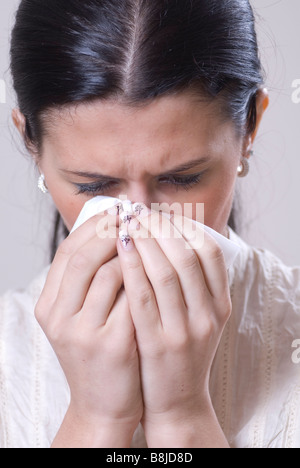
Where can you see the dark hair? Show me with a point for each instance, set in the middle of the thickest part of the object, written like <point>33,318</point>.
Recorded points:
<point>64,52</point>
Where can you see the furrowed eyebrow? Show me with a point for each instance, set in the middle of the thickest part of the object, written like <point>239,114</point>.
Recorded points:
<point>183,167</point>
<point>188,165</point>
<point>89,175</point>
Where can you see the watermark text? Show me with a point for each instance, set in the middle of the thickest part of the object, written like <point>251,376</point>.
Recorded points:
<point>296,93</point>
<point>296,353</point>
<point>163,221</point>
<point>2,92</point>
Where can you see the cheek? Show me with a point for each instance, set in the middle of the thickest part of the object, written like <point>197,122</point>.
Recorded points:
<point>68,206</point>
<point>67,203</point>
<point>218,200</point>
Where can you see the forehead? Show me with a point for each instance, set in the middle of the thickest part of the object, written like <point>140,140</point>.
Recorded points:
<point>154,132</point>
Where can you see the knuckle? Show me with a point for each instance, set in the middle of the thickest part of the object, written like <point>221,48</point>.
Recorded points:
<point>145,298</point>
<point>65,249</point>
<point>79,261</point>
<point>223,306</point>
<point>133,265</point>
<point>167,277</point>
<point>54,332</point>
<point>215,252</point>
<point>39,311</point>
<point>181,341</point>
<point>227,309</point>
<point>64,336</point>
<point>108,273</point>
<point>42,309</point>
<point>190,262</point>
<point>207,328</point>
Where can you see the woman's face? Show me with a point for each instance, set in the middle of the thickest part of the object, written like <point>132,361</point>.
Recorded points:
<point>107,148</point>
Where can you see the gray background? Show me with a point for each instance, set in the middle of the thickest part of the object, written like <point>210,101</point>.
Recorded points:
<point>269,197</point>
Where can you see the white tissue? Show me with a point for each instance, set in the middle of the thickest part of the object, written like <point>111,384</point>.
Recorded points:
<point>99,204</point>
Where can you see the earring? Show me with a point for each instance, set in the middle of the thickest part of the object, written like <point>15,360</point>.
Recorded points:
<point>41,184</point>
<point>244,167</point>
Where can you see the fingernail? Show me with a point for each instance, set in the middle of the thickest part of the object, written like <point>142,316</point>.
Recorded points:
<point>138,208</point>
<point>126,217</point>
<point>126,240</point>
<point>141,210</point>
<point>115,210</point>
<point>127,206</point>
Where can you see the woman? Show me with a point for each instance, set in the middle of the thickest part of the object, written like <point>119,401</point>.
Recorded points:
<point>152,344</point>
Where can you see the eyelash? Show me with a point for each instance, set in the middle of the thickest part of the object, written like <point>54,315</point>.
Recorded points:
<point>185,183</point>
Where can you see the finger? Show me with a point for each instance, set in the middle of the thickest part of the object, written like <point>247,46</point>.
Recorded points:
<point>69,246</point>
<point>139,291</point>
<point>210,255</point>
<point>120,319</point>
<point>102,293</point>
<point>182,258</point>
<point>162,276</point>
<point>79,273</point>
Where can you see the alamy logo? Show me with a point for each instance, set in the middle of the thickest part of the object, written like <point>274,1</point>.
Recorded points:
<point>296,93</point>
<point>2,92</point>
<point>296,354</point>
<point>156,225</point>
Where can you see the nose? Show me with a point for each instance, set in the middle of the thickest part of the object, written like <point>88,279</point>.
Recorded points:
<point>138,193</point>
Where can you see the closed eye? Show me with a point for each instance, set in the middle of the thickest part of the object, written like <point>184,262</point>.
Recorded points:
<point>185,182</point>
<point>180,182</point>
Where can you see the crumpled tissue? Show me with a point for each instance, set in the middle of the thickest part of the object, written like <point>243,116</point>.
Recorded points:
<point>100,204</point>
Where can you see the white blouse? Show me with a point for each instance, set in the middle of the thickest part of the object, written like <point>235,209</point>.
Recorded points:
<point>255,382</point>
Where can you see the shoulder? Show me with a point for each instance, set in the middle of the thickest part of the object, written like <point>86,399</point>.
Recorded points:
<point>266,297</point>
<point>17,306</point>
<point>259,270</point>
<point>34,393</point>
<point>260,340</point>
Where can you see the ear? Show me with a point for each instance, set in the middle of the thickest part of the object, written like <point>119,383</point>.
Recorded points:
<point>19,121</point>
<point>262,103</point>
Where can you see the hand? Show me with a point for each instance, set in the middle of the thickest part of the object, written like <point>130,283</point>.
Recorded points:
<point>179,299</point>
<point>84,312</point>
